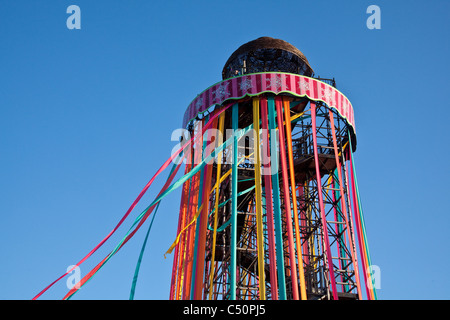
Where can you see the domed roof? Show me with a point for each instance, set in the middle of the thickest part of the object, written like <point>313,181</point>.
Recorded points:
<point>266,54</point>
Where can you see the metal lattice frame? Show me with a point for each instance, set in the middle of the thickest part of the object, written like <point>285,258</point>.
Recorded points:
<point>318,282</point>
<point>317,269</point>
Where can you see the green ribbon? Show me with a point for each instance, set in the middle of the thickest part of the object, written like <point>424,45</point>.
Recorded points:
<point>174,186</point>
<point>222,227</point>
<point>361,216</point>
<point>141,254</point>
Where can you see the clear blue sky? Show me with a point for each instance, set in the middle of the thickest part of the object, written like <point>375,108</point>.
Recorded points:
<point>86,118</point>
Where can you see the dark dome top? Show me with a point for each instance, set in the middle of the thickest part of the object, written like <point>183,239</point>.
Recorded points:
<point>266,54</point>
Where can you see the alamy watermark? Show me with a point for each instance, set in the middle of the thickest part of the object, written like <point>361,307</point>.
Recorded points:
<point>73,280</point>
<point>205,147</point>
<point>374,277</point>
<point>74,20</point>
<point>374,20</point>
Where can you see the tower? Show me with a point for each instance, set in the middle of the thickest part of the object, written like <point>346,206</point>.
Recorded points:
<point>271,208</point>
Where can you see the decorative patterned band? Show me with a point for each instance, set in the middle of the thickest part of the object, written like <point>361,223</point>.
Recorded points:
<point>273,82</point>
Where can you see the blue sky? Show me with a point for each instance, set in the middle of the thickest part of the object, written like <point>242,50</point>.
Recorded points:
<point>86,118</point>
